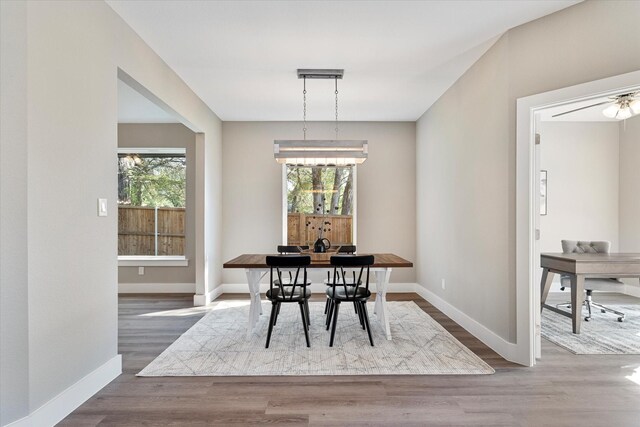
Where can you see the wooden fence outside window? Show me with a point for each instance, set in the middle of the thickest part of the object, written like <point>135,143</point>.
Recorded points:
<point>298,233</point>
<point>137,231</point>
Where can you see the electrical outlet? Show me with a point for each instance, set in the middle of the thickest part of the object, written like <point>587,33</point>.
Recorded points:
<point>141,271</point>
<point>444,285</point>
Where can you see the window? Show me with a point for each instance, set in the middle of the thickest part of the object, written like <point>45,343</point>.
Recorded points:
<point>151,201</point>
<point>320,204</point>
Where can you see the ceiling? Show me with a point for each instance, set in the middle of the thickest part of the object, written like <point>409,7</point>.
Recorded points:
<point>135,108</point>
<point>241,57</point>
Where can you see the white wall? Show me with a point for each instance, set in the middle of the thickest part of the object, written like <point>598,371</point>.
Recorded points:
<point>252,194</point>
<point>582,160</point>
<point>63,142</point>
<point>166,135</point>
<point>466,152</point>
<point>630,185</point>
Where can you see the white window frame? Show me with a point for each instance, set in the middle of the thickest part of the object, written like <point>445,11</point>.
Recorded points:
<point>354,204</point>
<point>152,260</point>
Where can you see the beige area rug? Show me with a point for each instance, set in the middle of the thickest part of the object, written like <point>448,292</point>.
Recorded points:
<point>218,346</point>
<point>603,334</point>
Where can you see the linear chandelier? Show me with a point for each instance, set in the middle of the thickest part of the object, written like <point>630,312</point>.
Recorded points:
<point>333,152</point>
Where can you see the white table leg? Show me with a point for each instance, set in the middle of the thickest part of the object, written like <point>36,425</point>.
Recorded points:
<point>380,307</point>
<point>255,305</point>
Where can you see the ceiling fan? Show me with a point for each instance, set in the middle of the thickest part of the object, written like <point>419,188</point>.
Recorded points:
<point>622,106</point>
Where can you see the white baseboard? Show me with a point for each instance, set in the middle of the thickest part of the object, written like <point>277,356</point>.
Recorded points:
<point>243,288</point>
<point>501,346</point>
<point>156,288</point>
<point>66,402</point>
<point>204,299</point>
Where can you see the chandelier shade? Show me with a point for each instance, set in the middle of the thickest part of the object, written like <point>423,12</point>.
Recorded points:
<point>320,152</point>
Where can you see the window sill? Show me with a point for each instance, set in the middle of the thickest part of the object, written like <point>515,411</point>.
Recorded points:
<point>152,261</point>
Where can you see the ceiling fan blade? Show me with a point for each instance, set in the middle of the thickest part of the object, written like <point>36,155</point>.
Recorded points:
<point>582,108</point>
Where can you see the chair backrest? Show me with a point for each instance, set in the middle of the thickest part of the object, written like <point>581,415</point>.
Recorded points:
<point>291,249</point>
<point>359,263</point>
<point>288,262</point>
<point>585,247</point>
<point>347,249</point>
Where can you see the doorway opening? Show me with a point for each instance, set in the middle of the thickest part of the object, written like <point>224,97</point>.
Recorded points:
<point>530,112</point>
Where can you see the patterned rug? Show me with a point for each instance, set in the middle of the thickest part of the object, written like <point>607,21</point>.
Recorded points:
<point>217,346</point>
<point>602,335</point>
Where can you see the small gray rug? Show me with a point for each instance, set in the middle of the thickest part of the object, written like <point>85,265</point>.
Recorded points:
<point>602,335</point>
<point>217,346</point>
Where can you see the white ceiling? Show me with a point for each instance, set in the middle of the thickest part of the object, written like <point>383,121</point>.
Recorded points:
<point>241,57</point>
<point>135,108</point>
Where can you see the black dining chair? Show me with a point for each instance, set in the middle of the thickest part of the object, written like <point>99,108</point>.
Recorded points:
<point>296,291</point>
<point>291,249</point>
<point>345,249</point>
<point>358,292</point>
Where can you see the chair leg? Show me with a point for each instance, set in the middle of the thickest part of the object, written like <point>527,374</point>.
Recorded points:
<point>272,322</point>
<point>366,321</point>
<point>335,322</point>
<point>277,313</point>
<point>306,309</point>
<point>360,314</point>
<point>326,305</point>
<point>332,306</point>
<point>355,307</point>
<point>304,322</point>
<point>587,302</point>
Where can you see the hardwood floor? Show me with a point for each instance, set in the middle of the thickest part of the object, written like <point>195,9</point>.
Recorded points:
<point>562,390</point>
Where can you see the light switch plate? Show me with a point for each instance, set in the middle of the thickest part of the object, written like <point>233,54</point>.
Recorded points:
<point>102,207</point>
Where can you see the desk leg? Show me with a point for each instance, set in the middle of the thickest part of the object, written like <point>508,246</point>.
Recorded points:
<point>255,305</point>
<point>545,285</point>
<point>380,307</point>
<point>577,293</point>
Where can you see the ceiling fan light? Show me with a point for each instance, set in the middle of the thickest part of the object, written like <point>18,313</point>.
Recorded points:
<point>611,111</point>
<point>624,113</point>
<point>635,106</point>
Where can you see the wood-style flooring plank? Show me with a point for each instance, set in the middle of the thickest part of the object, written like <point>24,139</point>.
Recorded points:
<point>562,390</point>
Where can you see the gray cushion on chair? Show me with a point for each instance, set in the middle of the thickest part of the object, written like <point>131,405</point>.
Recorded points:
<point>585,247</point>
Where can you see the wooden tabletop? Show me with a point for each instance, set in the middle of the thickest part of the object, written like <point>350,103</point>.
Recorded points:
<point>605,265</point>
<point>610,257</point>
<point>259,261</point>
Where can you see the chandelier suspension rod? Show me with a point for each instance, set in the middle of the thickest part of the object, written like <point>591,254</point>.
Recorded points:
<point>304,107</point>
<point>336,80</point>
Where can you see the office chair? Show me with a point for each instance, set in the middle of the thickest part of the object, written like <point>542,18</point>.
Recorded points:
<point>591,284</point>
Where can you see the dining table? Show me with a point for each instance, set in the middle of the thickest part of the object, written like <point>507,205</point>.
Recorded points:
<point>255,266</point>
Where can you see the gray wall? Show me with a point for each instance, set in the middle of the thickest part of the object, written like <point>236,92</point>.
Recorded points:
<point>630,185</point>
<point>583,164</point>
<point>252,194</point>
<point>165,135</point>
<point>466,151</point>
<point>61,321</point>
<point>14,292</point>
